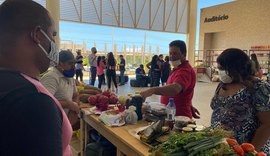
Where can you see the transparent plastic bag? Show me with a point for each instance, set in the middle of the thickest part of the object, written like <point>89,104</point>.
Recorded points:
<point>132,116</point>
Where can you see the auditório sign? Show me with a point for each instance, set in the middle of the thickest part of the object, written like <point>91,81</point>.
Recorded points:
<point>216,18</point>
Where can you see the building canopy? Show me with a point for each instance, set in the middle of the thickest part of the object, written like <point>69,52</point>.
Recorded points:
<point>154,15</point>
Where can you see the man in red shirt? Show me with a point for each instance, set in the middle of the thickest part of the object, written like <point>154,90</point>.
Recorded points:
<point>180,84</point>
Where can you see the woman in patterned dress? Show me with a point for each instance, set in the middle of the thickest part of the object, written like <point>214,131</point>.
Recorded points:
<point>241,102</point>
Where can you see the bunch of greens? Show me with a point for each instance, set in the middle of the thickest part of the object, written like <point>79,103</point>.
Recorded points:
<point>207,143</point>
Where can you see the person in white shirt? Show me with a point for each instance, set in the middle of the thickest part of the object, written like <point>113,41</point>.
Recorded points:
<point>60,83</point>
<point>92,60</point>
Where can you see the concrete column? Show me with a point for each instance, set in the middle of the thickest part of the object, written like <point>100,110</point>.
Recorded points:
<point>191,35</point>
<point>143,53</point>
<point>106,50</point>
<point>125,51</point>
<point>134,54</point>
<point>53,6</point>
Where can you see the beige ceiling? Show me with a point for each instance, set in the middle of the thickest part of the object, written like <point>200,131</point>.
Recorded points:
<point>154,15</point>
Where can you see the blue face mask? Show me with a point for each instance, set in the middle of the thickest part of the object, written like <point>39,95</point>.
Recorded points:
<point>69,73</point>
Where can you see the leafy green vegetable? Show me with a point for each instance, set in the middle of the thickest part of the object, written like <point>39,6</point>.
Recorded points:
<point>209,142</point>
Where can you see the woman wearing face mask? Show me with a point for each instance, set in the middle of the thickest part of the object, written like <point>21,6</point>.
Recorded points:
<point>241,101</point>
<point>60,83</point>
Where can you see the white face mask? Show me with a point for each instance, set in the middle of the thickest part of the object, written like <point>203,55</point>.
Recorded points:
<point>53,55</point>
<point>175,63</point>
<point>224,77</point>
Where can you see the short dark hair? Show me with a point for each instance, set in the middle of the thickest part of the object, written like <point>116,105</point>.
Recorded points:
<point>20,16</point>
<point>98,60</point>
<point>167,58</point>
<point>180,44</point>
<point>161,55</point>
<point>141,65</point>
<point>121,56</point>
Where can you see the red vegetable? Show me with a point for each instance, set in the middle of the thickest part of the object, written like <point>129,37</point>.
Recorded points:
<point>231,142</point>
<point>103,99</point>
<point>121,108</point>
<point>102,107</point>
<point>113,99</point>
<point>112,94</point>
<point>92,100</point>
<point>238,150</point>
<point>248,147</point>
<point>261,154</point>
<point>107,93</point>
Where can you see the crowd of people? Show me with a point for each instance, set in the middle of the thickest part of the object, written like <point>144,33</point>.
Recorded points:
<point>39,114</point>
<point>102,67</point>
<point>159,70</point>
<point>105,69</point>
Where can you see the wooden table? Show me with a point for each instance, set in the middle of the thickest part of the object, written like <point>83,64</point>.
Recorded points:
<point>125,143</point>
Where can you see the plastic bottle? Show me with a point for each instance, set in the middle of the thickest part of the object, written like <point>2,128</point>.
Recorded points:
<point>171,109</point>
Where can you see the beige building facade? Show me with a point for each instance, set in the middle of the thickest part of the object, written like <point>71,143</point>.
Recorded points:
<point>240,24</point>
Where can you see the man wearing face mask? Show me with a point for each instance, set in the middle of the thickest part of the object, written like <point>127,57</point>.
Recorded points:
<point>60,83</point>
<point>34,122</point>
<point>180,84</point>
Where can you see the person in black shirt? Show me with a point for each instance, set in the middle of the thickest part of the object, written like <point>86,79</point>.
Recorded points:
<point>110,72</point>
<point>155,71</point>
<point>31,121</point>
<point>140,76</point>
<point>103,58</point>
<point>161,61</point>
<point>166,70</point>
<point>122,70</point>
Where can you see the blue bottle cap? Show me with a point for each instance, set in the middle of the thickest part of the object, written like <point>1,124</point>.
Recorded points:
<point>171,100</point>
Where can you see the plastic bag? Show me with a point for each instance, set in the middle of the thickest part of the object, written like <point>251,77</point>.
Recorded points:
<point>132,116</point>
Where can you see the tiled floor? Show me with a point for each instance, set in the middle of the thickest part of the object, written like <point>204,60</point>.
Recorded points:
<point>201,100</point>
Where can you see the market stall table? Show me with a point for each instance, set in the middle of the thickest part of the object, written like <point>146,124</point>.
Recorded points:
<point>120,137</point>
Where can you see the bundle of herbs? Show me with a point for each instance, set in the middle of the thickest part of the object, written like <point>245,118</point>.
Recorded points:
<point>210,142</point>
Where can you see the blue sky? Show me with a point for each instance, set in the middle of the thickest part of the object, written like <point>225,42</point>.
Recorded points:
<point>103,34</point>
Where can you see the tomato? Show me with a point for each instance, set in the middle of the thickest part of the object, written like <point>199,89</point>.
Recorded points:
<point>248,147</point>
<point>238,150</point>
<point>231,142</point>
<point>261,154</point>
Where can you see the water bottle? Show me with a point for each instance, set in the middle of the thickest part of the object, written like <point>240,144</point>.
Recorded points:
<point>171,109</point>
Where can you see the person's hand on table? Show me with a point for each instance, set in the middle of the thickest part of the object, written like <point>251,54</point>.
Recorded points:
<point>74,107</point>
<point>147,93</point>
<point>195,113</point>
